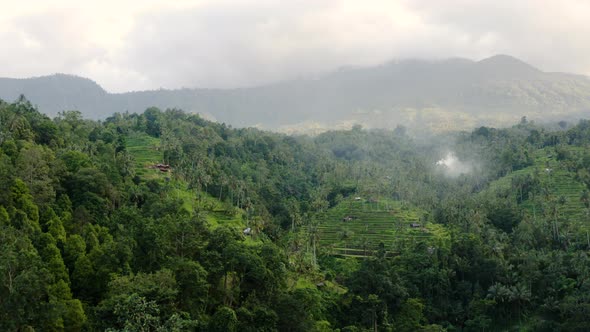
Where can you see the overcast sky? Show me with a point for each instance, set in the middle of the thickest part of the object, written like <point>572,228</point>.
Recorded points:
<point>148,44</point>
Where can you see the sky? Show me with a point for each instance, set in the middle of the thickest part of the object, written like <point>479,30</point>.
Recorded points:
<point>129,45</point>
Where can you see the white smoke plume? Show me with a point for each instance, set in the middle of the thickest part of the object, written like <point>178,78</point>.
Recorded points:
<point>453,167</point>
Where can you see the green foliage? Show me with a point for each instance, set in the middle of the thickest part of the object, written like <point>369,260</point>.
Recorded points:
<point>193,288</point>
<point>4,217</point>
<point>248,230</point>
<point>223,320</point>
<point>23,281</point>
<point>25,214</point>
<point>410,316</point>
<point>299,310</point>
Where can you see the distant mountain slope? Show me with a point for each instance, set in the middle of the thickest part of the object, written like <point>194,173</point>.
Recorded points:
<point>454,92</point>
<point>56,93</point>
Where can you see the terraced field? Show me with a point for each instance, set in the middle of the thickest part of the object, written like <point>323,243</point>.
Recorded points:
<point>357,227</point>
<point>145,152</point>
<point>566,187</point>
<point>559,183</point>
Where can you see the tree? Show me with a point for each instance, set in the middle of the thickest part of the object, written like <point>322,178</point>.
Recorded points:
<point>54,226</point>
<point>224,320</point>
<point>193,288</point>
<point>34,167</point>
<point>4,217</point>
<point>25,214</point>
<point>153,121</point>
<point>23,281</point>
<point>410,316</point>
<point>375,290</point>
<point>299,310</point>
<point>314,238</point>
<point>51,255</point>
<point>139,302</point>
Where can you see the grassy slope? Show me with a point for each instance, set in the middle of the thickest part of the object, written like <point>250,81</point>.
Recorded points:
<point>146,152</point>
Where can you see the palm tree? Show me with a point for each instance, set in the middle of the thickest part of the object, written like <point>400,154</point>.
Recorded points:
<point>365,243</point>
<point>294,213</point>
<point>585,198</point>
<point>344,235</point>
<point>314,238</point>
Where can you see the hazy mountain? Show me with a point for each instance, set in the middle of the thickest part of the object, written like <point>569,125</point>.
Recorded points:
<point>448,93</point>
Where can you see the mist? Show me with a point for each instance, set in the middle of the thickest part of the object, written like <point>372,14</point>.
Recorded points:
<point>452,166</point>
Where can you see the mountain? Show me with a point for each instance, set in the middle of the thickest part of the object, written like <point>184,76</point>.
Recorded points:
<point>446,94</point>
<point>56,93</point>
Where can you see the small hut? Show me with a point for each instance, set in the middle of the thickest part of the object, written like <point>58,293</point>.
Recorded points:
<point>163,167</point>
<point>347,218</point>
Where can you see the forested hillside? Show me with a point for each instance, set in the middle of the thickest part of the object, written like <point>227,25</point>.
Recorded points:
<point>163,221</point>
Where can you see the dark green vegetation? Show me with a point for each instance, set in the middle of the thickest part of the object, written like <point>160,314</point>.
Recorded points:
<point>94,238</point>
<point>439,95</point>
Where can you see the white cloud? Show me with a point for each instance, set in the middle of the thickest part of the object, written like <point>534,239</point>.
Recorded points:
<point>132,45</point>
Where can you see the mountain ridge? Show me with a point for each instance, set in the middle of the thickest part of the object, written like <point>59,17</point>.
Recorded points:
<point>379,96</point>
